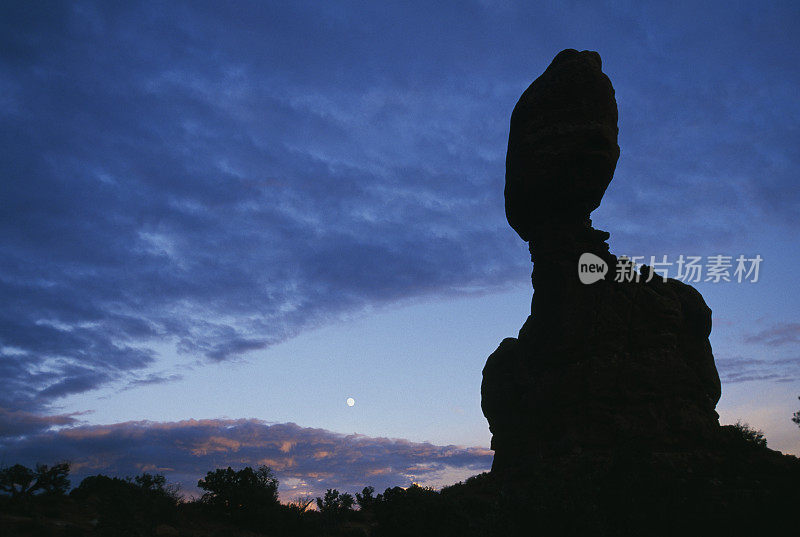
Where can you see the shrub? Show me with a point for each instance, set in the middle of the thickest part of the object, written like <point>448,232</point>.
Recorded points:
<point>749,434</point>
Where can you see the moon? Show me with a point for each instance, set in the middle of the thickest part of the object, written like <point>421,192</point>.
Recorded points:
<point>350,401</point>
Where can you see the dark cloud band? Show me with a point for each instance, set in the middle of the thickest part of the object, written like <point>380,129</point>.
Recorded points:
<point>306,460</point>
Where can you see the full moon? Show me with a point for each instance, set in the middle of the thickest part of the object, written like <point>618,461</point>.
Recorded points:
<point>350,401</point>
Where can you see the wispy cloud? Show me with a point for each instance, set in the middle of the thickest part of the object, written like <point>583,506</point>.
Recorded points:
<point>739,369</point>
<point>777,335</point>
<point>152,379</point>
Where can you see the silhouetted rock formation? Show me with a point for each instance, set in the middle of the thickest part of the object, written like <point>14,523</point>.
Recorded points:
<point>562,149</point>
<point>594,365</point>
<point>610,386</point>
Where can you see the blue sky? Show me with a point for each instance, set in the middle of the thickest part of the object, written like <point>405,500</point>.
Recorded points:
<point>227,211</point>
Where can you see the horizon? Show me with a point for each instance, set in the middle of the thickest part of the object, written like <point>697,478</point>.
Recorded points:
<point>220,225</point>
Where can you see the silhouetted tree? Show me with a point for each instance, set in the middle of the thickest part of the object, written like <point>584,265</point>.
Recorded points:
<point>241,493</point>
<point>16,480</point>
<point>53,480</point>
<point>20,481</point>
<point>335,508</point>
<point>750,435</point>
<point>156,485</point>
<point>131,505</point>
<point>301,503</point>
<point>335,502</point>
<point>796,417</point>
<point>366,498</point>
<point>412,511</point>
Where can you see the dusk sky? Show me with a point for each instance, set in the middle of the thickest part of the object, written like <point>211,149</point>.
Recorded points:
<point>219,220</point>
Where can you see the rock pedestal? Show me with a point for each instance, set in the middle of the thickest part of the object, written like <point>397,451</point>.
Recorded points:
<point>600,365</point>
<point>609,390</point>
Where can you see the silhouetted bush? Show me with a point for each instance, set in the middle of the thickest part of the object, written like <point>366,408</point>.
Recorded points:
<point>128,506</point>
<point>749,435</point>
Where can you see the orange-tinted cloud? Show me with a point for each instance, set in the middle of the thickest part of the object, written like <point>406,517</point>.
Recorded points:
<point>303,458</point>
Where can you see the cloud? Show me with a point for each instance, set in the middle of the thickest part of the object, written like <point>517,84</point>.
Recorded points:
<point>739,369</point>
<point>780,364</point>
<point>152,379</point>
<point>778,335</point>
<point>15,423</point>
<point>212,205</point>
<point>217,181</point>
<point>306,460</point>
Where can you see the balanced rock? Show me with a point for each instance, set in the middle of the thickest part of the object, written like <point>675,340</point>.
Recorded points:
<point>562,148</point>
<point>609,390</point>
<point>594,365</point>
